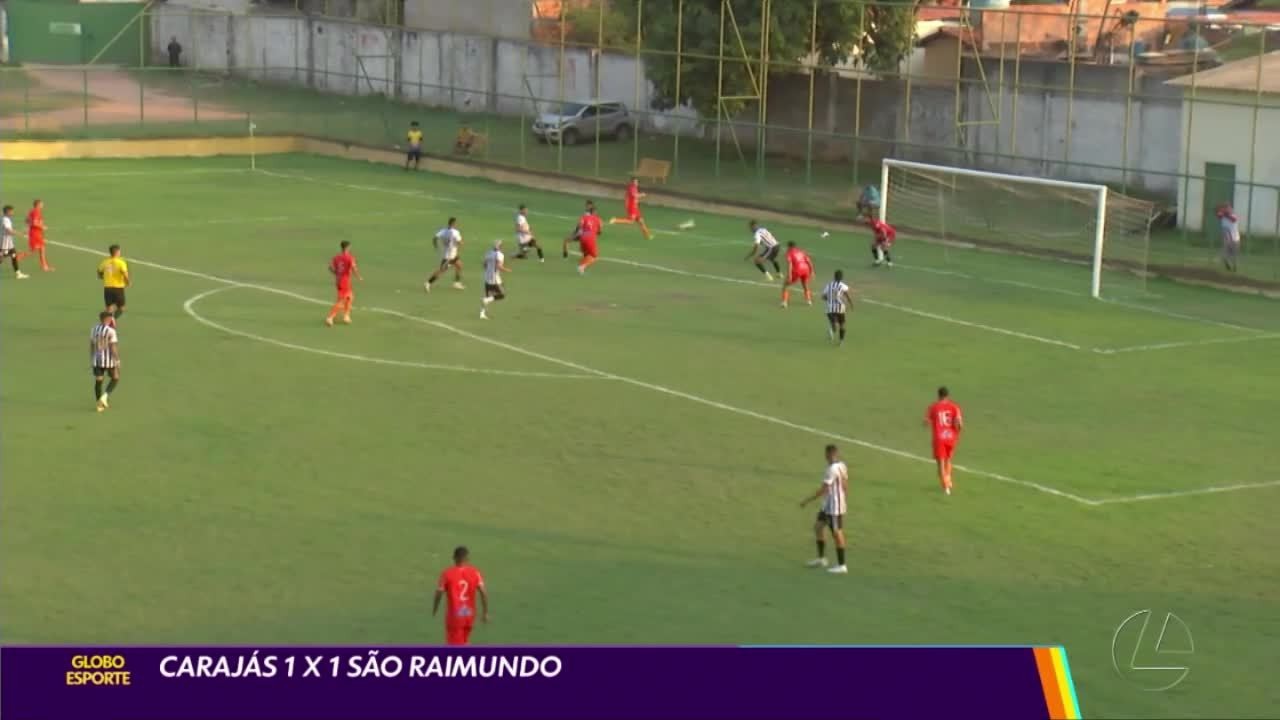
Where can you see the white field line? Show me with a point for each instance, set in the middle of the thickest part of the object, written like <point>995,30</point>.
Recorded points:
<point>1187,343</point>
<point>189,308</point>
<point>36,177</point>
<point>866,300</point>
<point>1181,316</point>
<point>660,268</point>
<point>625,380</point>
<point>1215,490</point>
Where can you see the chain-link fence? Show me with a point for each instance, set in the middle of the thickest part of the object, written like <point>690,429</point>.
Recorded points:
<point>788,104</point>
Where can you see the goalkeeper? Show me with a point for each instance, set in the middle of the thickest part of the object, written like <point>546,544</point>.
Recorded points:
<point>869,202</point>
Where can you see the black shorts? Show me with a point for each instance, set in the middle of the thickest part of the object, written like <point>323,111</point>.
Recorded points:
<point>834,522</point>
<point>771,254</point>
<point>414,153</point>
<point>104,371</point>
<point>113,296</point>
<point>494,291</point>
<point>836,318</point>
<point>8,252</point>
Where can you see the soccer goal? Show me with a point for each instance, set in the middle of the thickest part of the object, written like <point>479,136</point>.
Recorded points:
<point>1085,224</point>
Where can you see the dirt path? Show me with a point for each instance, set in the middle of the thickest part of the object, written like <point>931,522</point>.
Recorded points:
<point>113,100</point>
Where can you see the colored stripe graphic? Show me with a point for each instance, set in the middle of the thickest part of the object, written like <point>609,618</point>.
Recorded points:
<point>1055,679</point>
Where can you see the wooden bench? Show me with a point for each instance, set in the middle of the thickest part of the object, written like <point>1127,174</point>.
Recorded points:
<point>655,170</point>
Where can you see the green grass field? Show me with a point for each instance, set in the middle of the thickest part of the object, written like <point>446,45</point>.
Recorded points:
<point>624,452</point>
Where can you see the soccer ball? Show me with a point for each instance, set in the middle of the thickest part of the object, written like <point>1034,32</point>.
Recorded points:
<point>825,234</point>
<point>686,225</point>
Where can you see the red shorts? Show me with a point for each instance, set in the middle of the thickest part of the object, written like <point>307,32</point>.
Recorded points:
<point>457,633</point>
<point>345,292</point>
<point>588,247</point>
<point>633,214</point>
<point>799,277</point>
<point>35,241</point>
<point>942,449</point>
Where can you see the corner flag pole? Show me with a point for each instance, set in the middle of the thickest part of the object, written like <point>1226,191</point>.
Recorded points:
<point>253,155</point>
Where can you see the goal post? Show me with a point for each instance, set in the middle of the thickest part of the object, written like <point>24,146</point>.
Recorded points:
<point>1084,223</point>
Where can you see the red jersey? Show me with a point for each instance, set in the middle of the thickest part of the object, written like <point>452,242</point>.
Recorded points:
<point>885,234</point>
<point>589,227</point>
<point>799,262</point>
<point>633,196</point>
<point>945,418</point>
<point>35,224</point>
<point>342,265</point>
<point>459,584</point>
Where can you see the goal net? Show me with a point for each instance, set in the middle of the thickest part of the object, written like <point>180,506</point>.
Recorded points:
<point>1080,224</point>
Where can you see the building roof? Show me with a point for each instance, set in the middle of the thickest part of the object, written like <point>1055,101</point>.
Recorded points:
<point>1239,75</point>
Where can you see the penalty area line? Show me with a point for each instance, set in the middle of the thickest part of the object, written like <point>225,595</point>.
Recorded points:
<point>671,392</point>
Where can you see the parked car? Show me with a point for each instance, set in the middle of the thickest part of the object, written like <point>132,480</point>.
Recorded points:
<point>576,121</point>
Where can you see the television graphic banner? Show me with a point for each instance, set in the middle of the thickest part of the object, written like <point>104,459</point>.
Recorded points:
<point>567,683</point>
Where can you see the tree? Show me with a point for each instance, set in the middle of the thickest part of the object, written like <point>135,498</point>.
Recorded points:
<point>882,35</point>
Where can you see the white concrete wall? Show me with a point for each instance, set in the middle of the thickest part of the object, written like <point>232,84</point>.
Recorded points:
<point>1078,136</point>
<point>441,69</point>
<point>1226,133</point>
<point>508,19</point>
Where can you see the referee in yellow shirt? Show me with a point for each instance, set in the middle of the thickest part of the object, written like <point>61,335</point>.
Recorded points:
<point>414,154</point>
<point>114,272</point>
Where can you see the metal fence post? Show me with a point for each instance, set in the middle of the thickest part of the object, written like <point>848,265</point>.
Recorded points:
<point>635,136</point>
<point>813,71</point>
<point>679,100</point>
<point>84,97</point>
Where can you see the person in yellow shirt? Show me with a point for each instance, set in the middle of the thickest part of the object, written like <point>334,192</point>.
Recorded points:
<point>414,154</point>
<point>114,273</point>
<point>466,138</point>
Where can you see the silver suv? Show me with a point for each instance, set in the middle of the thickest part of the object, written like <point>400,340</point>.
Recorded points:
<point>576,121</point>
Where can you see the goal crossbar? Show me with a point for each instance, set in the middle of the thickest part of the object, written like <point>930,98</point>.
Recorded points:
<point>1098,191</point>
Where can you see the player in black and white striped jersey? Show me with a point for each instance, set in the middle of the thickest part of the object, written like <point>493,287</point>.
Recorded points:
<point>834,495</point>
<point>448,241</point>
<point>8,247</point>
<point>524,236</point>
<point>838,299</point>
<point>104,358</point>
<point>764,248</point>
<point>494,267</point>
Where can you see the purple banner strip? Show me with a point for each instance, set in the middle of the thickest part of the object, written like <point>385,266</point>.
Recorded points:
<point>483,683</point>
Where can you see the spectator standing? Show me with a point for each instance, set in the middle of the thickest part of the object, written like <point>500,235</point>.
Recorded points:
<point>175,53</point>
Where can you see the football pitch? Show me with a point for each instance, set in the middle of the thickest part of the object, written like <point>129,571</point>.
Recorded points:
<point>624,452</point>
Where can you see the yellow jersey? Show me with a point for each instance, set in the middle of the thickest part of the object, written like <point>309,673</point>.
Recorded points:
<point>114,272</point>
<point>415,137</point>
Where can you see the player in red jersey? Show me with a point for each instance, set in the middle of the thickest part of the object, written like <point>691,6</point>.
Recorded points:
<point>633,209</point>
<point>35,233</point>
<point>587,233</point>
<point>946,421</point>
<point>799,270</point>
<point>343,266</point>
<point>884,237</point>
<point>460,583</point>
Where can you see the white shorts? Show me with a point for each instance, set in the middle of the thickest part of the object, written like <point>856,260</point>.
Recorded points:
<point>6,245</point>
<point>524,238</point>
<point>449,255</point>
